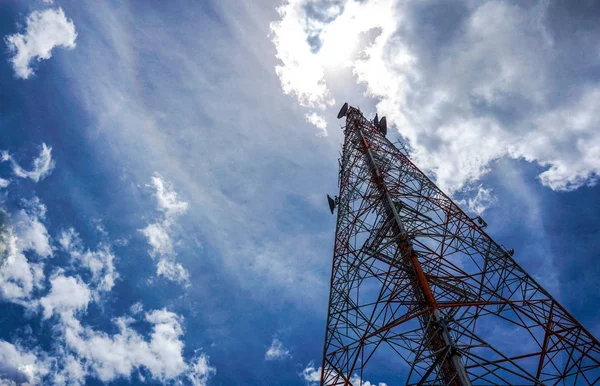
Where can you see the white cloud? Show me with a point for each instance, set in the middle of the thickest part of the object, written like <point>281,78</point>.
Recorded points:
<point>111,357</point>
<point>172,271</point>
<point>300,74</point>
<point>73,372</point>
<point>86,352</point>
<point>200,371</point>
<point>18,276</point>
<point>319,121</point>
<point>356,380</point>
<point>30,232</point>
<point>491,86</point>
<point>311,374</point>
<point>312,377</point>
<point>68,294</point>
<point>314,40</point>
<point>159,239</point>
<point>276,351</point>
<point>20,233</point>
<point>80,351</point>
<point>479,203</point>
<point>223,178</point>
<point>167,197</point>
<point>100,263</point>
<point>4,183</point>
<point>136,308</point>
<point>44,30</point>
<point>21,367</point>
<point>159,234</point>
<point>41,168</point>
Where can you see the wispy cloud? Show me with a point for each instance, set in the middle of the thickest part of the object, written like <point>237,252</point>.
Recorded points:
<point>236,180</point>
<point>79,351</point>
<point>481,201</point>
<point>41,166</point>
<point>100,263</point>
<point>44,30</point>
<point>319,121</point>
<point>277,351</point>
<point>159,234</point>
<point>200,371</point>
<point>136,308</point>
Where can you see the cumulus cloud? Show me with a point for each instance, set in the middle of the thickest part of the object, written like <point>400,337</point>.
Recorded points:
<point>42,166</point>
<point>20,233</point>
<point>311,374</point>
<point>29,230</point>
<point>313,39</point>
<point>73,372</point>
<point>319,121</point>
<point>68,294</point>
<point>19,366</point>
<point>110,357</point>
<point>18,276</point>
<point>465,82</point>
<point>276,351</point>
<point>159,235</point>
<point>100,263</point>
<point>356,380</point>
<point>312,377</point>
<point>87,352</point>
<point>4,183</point>
<point>44,30</point>
<point>80,351</point>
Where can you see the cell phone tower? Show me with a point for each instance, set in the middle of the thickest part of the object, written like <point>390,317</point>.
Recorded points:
<point>419,283</point>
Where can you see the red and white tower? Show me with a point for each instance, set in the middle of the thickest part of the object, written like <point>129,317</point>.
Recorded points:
<point>419,282</point>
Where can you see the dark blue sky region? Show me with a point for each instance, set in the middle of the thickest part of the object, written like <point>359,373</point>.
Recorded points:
<point>177,232</point>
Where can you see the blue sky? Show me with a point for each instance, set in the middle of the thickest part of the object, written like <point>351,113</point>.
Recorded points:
<point>165,166</point>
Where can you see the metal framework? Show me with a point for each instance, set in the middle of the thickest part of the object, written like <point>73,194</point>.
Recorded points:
<point>417,281</point>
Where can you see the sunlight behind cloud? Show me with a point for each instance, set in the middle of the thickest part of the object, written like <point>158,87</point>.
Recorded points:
<point>490,91</point>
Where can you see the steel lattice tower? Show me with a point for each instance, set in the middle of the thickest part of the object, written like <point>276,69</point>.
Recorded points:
<point>417,280</point>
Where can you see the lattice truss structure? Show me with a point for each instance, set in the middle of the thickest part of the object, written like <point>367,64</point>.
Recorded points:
<point>417,282</point>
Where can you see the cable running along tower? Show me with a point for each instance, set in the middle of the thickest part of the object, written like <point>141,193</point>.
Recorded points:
<point>419,283</point>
